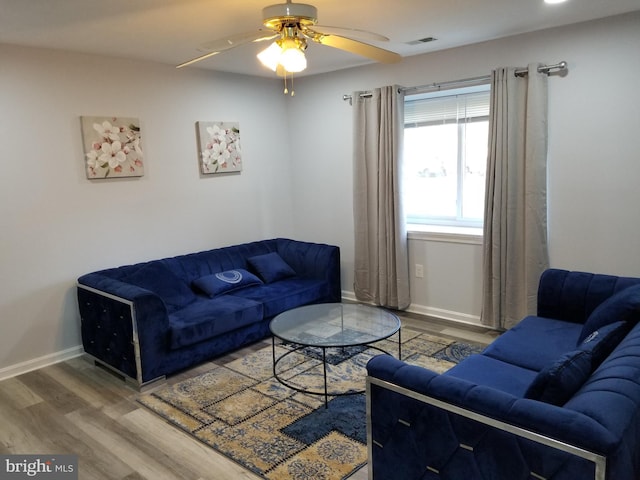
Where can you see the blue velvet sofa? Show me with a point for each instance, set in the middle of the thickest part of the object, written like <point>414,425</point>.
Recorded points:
<point>149,320</point>
<point>555,397</point>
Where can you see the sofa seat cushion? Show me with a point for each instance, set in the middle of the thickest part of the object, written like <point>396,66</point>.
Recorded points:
<point>206,318</point>
<point>285,294</point>
<point>535,342</point>
<point>494,373</point>
<point>624,305</point>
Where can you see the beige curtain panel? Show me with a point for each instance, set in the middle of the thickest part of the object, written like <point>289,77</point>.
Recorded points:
<point>381,258</point>
<point>515,224</point>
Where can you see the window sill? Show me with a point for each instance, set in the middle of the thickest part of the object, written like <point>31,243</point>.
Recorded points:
<point>442,233</point>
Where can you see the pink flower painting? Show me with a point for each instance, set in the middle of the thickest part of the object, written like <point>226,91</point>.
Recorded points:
<point>112,147</point>
<point>219,147</point>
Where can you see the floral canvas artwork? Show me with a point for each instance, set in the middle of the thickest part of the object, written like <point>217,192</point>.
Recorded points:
<point>112,147</point>
<point>219,147</point>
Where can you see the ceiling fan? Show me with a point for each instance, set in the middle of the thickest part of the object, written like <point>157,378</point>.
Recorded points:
<point>291,25</point>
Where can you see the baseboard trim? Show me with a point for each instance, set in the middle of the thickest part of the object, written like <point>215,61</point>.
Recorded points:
<point>40,362</point>
<point>449,315</point>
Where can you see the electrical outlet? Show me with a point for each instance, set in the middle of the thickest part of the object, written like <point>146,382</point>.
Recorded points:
<point>419,271</point>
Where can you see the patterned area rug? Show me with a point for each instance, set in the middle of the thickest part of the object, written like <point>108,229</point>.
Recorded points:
<point>243,412</point>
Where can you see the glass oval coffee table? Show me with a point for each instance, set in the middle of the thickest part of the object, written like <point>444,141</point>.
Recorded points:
<point>332,325</point>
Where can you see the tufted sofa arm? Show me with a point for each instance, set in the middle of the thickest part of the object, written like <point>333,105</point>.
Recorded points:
<point>116,319</point>
<point>425,426</point>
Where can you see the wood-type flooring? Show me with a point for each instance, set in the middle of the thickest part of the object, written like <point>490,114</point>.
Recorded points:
<point>77,407</point>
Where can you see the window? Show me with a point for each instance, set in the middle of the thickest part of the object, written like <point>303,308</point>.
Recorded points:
<point>445,155</point>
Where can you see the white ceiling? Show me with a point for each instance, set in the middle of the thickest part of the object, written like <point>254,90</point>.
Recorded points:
<point>170,31</point>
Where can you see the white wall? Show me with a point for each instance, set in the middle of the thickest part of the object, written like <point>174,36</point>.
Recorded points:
<point>56,225</point>
<point>594,168</point>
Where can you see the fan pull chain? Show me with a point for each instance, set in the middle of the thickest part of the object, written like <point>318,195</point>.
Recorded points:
<point>286,90</point>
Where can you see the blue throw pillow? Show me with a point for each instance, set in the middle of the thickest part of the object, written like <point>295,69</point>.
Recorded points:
<point>604,340</point>
<point>156,277</point>
<point>557,383</point>
<point>624,305</point>
<point>225,282</point>
<point>271,267</point>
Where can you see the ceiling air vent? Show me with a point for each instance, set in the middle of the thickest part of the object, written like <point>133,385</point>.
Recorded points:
<point>420,41</point>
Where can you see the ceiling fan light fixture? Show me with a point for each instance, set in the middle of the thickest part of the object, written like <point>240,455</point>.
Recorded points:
<point>286,52</point>
<point>293,60</point>
<point>292,57</point>
<point>270,56</point>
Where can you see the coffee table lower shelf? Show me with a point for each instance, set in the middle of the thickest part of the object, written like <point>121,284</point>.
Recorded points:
<point>324,349</point>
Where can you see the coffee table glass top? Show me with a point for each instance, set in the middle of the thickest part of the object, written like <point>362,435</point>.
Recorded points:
<point>335,325</point>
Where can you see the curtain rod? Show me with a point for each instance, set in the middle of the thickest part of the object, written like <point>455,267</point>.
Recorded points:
<point>520,72</point>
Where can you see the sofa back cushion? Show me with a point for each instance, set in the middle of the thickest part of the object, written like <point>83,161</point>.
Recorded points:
<point>624,305</point>
<point>156,277</point>
<point>557,383</point>
<point>611,395</point>
<point>602,342</point>
<point>573,296</point>
<point>192,266</point>
<point>560,380</point>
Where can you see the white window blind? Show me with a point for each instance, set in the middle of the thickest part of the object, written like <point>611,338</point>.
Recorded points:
<point>446,109</point>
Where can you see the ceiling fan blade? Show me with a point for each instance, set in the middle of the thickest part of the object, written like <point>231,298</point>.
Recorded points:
<point>232,41</point>
<point>220,45</point>
<point>378,54</point>
<point>197,59</point>
<point>349,33</point>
